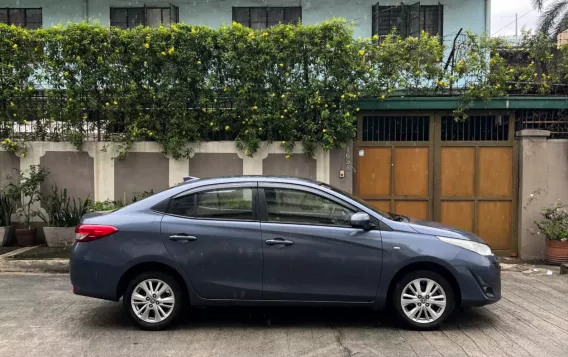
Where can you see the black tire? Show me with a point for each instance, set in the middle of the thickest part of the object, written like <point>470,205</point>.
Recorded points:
<point>175,289</point>
<point>423,274</point>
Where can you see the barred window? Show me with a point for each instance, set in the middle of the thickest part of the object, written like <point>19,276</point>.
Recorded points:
<point>408,20</point>
<point>264,17</point>
<point>130,17</point>
<point>23,17</point>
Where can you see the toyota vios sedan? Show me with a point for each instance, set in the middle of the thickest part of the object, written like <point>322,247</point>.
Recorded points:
<point>277,241</point>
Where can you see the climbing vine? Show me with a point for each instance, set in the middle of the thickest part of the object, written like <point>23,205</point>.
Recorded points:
<point>286,84</point>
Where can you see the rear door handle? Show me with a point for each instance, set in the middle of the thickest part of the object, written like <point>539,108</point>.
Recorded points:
<point>182,237</point>
<point>279,241</point>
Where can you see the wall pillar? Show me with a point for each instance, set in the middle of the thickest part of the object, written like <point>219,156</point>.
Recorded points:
<point>104,169</point>
<point>536,172</point>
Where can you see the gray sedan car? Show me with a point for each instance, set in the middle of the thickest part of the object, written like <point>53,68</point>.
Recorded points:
<point>277,241</point>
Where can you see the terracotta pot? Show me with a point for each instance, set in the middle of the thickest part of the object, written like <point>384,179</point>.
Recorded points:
<point>26,237</point>
<point>5,235</point>
<point>556,252</point>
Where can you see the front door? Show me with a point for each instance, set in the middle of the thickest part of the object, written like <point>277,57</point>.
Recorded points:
<point>214,235</point>
<point>311,252</point>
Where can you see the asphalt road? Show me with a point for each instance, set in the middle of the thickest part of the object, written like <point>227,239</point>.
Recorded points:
<point>39,316</point>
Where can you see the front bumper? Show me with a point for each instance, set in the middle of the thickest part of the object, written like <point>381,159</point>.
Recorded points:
<point>479,278</point>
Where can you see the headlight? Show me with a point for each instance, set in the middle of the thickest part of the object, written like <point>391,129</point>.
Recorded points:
<point>478,248</point>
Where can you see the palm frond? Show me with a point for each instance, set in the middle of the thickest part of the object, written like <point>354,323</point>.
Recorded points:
<point>551,15</point>
<point>537,4</point>
<point>562,24</point>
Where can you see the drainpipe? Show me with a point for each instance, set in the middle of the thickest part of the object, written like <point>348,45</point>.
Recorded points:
<point>487,17</point>
<point>86,10</point>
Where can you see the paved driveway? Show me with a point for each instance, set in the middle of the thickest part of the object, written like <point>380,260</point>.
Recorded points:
<point>39,316</point>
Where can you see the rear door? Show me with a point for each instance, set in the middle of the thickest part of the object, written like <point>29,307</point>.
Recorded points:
<point>213,233</point>
<point>311,252</point>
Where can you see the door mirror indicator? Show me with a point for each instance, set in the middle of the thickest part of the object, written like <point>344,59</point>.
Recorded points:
<point>361,220</point>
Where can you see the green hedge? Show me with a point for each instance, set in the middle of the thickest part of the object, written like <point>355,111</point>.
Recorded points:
<point>191,83</point>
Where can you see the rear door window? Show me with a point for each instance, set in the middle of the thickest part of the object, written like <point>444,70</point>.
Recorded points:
<point>222,203</point>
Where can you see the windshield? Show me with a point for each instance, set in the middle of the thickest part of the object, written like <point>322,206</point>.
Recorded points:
<point>357,199</point>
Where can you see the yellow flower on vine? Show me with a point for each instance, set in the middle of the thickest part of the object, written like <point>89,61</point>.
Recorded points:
<point>199,62</point>
<point>251,35</point>
<point>281,64</point>
<point>283,143</point>
<point>211,124</point>
<point>288,156</point>
<point>358,109</point>
<point>12,104</point>
<point>107,104</point>
<point>342,96</point>
<point>362,52</point>
<point>25,122</point>
<point>371,69</point>
<point>265,34</point>
<point>282,117</point>
<point>273,94</point>
<point>171,51</point>
<point>22,155</point>
<point>375,37</point>
<point>285,110</point>
<point>227,128</point>
<point>15,46</point>
<point>324,130</point>
<point>254,107</point>
<point>163,53</point>
<point>383,96</point>
<point>283,96</point>
<point>147,45</point>
<point>115,102</point>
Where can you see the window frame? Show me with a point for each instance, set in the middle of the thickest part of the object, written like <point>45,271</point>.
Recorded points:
<point>145,9</point>
<point>264,207</point>
<point>25,9</point>
<point>236,185</point>
<point>267,10</point>
<point>407,19</point>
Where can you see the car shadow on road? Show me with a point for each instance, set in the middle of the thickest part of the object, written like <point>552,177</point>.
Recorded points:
<point>112,315</point>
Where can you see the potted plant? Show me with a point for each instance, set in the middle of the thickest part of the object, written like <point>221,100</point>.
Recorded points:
<point>63,214</point>
<point>555,229</point>
<point>6,210</point>
<point>26,190</point>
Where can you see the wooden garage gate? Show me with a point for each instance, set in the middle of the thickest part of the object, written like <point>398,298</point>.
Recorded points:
<point>429,166</point>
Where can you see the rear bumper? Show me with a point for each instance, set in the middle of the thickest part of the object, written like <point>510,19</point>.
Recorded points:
<point>90,277</point>
<point>479,278</point>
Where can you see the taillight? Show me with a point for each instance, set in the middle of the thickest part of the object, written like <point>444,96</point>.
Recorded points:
<point>89,232</point>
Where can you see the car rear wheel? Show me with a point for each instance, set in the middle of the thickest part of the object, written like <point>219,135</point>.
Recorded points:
<point>153,300</point>
<point>423,299</point>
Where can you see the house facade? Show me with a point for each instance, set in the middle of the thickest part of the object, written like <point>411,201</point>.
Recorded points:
<point>444,17</point>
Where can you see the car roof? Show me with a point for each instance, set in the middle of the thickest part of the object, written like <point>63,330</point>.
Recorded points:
<point>255,178</point>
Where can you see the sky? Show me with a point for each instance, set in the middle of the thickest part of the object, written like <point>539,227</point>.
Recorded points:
<point>503,14</point>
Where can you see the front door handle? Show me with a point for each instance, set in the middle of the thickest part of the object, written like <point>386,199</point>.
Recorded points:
<point>182,238</point>
<point>279,241</point>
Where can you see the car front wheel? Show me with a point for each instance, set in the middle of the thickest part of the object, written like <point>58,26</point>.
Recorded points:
<point>153,300</point>
<point>423,299</point>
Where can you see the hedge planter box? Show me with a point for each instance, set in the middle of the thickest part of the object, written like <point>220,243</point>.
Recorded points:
<point>26,237</point>
<point>5,235</point>
<point>556,252</point>
<point>59,236</point>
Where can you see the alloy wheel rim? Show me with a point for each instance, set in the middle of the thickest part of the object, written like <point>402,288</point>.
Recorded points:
<point>152,300</point>
<point>423,300</point>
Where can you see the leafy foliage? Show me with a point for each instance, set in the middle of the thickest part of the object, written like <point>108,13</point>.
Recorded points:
<point>62,210</point>
<point>6,210</point>
<point>555,223</point>
<point>26,191</point>
<point>107,205</point>
<point>186,84</point>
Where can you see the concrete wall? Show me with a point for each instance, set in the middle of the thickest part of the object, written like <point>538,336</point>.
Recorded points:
<point>469,14</point>
<point>98,173</point>
<point>543,175</point>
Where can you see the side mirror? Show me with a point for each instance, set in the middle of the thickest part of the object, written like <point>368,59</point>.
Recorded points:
<point>361,220</point>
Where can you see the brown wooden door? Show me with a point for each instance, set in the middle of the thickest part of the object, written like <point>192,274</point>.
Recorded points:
<point>394,160</point>
<point>460,174</point>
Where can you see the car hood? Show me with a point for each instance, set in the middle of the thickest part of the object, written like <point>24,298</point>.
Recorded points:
<point>438,229</point>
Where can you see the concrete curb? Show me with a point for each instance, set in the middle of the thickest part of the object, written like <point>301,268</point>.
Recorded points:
<point>8,265</point>
<point>34,266</point>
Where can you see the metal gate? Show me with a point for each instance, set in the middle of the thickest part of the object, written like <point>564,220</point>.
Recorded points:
<point>428,166</point>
